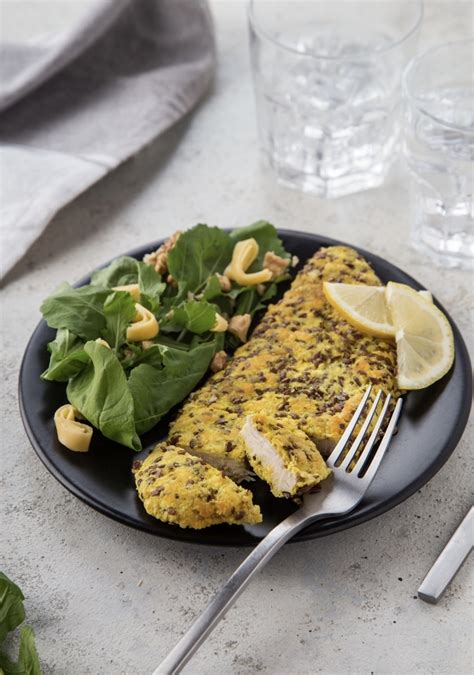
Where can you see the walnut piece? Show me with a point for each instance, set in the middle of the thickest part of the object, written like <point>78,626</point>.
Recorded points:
<point>218,362</point>
<point>275,264</point>
<point>239,326</point>
<point>159,258</point>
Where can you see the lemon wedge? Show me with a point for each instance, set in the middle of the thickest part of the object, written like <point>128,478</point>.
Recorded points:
<point>362,306</point>
<point>425,343</point>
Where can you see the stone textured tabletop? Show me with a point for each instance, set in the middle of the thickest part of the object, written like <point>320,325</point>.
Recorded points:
<point>106,599</point>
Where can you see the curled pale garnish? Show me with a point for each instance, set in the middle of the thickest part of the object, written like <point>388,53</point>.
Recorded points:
<point>102,342</point>
<point>145,326</point>
<point>133,289</point>
<point>243,256</point>
<point>74,435</point>
<point>221,324</point>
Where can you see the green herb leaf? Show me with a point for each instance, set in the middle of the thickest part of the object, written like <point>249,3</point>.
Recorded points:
<point>119,312</point>
<point>67,357</point>
<point>121,272</point>
<point>28,661</point>
<point>267,238</point>
<point>12,612</point>
<point>198,254</point>
<point>101,394</point>
<point>213,288</point>
<point>151,285</point>
<point>78,309</point>
<point>197,316</point>
<point>155,391</point>
<point>28,657</point>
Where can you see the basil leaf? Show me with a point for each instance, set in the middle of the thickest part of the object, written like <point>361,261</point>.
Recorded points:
<point>28,661</point>
<point>198,254</point>
<point>12,612</point>
<point>267,239</point>
<point>155,391</point>
<point>121,272</point>
<point>78,309</point>
<point>197,316</point>
<point>100,393</point>
<point>119,312</point>
<point>67,357</point>
<point>28,656</point>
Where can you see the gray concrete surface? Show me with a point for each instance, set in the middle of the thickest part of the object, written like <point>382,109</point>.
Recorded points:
<point>108,600</point>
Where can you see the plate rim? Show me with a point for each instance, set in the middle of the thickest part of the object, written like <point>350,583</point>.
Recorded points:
<point>336,525</point>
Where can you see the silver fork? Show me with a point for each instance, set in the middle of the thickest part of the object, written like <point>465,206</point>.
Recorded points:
<point>352,474</point>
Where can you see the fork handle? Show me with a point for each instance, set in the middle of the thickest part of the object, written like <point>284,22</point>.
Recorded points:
<point>234,586</point>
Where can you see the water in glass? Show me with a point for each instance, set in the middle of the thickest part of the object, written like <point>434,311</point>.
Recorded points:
<point>439,148</point>
<point>330,126</point>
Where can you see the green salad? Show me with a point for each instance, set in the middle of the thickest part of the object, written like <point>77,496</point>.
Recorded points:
<point>123,385</point>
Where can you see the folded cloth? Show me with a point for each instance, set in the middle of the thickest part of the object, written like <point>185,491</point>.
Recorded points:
<point>78,105</point>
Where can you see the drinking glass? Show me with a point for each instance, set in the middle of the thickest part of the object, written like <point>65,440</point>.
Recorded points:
<point>438,93</point>
<point>327,80</point>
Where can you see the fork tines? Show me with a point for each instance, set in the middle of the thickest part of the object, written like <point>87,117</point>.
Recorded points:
<point>363,456</point>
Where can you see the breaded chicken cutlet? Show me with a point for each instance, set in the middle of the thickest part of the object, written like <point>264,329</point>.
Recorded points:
<point>294,385</point>
<point>177,487</point>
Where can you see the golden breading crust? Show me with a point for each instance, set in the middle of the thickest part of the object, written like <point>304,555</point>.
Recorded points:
<point>303,363</point>
<point>178,488</point>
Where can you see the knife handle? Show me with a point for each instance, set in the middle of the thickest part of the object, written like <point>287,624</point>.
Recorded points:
<point>449,561</point>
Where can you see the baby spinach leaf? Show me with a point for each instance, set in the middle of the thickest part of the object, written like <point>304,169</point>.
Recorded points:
<point>267,239</point>
<point>121,272</point>
<point>119,312</point>
<point>67,356</point>
<point>78,309</point>
<point>155,391</point>
<point>198,254</point>
<point>197,316</point>
<point>153,356</point>
<point>12,612</point>
<point>100,393</point>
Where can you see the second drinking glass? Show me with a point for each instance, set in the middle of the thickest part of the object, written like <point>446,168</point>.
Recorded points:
<point>327,80</point>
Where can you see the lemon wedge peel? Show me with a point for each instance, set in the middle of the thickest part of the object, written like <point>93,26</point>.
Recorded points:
<point>424,338</point>
<point>362,306</point>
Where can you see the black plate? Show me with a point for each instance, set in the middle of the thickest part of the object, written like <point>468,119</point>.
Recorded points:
<point>430,427</point>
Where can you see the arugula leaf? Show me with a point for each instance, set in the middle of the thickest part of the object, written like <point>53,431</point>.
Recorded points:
<point>198,254</point>
<point>67,356</point>
<point>155,391</point>
<point>267,238</point>
<point>213,288</point>
<point>150,284</point>
<point>78,309</point>
<point>119,312</point>
<point>197,316</point>
<point>247,301</point>
<point>12,612</point>
<point>100,393</point>
<point>121,272</point>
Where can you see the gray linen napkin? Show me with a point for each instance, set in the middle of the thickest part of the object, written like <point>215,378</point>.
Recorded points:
<point>77,106</point>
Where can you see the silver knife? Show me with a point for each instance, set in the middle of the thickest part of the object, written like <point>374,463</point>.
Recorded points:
<point>449,561</point>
